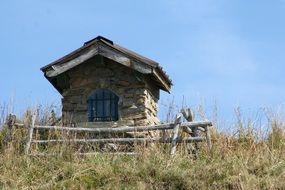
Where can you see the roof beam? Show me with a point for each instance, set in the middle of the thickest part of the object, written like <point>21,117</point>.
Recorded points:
<point>58,69</point>
<point>124,60</point>
<point>97,49</point>
<point>164,84</point>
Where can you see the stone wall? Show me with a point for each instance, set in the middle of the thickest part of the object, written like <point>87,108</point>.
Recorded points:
<point>137,95</point>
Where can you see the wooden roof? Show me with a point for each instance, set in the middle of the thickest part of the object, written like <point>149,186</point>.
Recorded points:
<point>106,48</point>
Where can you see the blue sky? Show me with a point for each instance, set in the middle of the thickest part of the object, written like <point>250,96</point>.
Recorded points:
<point>229,53</point>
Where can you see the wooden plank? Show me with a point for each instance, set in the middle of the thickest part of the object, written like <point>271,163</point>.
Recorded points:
<point>105,51</point>
<point>58,69</point>
<point>20,125</point>
<point>122,140</point>
<point>194,124</point>
<point>165,85</point>
<point>98,153</point>
<point>10,123</point>
<point>200,124</point>
<point>188,115</point>
<point>187,129</point>
<point>84,153</point>
<point>30,134</point>
<point>195,150</point>
<point>110,130</point>
<point>175,133</point>
<point>124,60</point>
<point>208,138</point>
<point>129,129</point>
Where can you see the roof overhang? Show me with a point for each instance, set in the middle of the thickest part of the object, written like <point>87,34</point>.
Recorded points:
<point>106,48</point>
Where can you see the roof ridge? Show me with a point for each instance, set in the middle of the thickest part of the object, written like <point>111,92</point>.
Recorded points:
<point>99,38</point>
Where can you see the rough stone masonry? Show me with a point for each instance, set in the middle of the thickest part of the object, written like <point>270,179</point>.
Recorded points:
<point>138,97</point>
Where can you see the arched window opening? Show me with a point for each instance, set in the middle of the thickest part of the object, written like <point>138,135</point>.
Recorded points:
<point>103,106</point>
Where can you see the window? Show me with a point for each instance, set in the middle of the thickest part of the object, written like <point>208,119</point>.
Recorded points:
<point>103,106</point>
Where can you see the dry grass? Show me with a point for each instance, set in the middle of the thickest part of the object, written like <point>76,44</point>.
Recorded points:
<point>247,158</point>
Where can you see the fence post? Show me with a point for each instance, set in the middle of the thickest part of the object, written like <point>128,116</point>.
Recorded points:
<point>11,119</point>
<point>175,133</point>
<point>208,138</point>
<point>188,115</point>
<point>30,133</point>
<point>195,150</point>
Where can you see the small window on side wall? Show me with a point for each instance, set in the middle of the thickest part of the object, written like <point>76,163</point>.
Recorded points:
<point>103,106</point>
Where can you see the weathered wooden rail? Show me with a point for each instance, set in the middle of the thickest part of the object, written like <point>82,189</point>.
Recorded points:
<point>191,128</point>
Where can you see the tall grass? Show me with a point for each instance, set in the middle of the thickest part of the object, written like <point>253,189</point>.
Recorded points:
<point>250,156</point>
<point>4,110</point>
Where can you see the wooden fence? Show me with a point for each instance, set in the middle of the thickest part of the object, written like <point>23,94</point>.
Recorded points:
<point>191,128</point>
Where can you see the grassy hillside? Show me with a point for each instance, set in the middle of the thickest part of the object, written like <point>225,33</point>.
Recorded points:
<point>242,159</point>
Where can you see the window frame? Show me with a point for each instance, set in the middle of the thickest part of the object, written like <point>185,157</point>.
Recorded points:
<point>103,106</point>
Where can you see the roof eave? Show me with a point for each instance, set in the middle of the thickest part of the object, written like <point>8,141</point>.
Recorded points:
<point>162,78</point>
<point>68,56</point>
<point>165,84</point>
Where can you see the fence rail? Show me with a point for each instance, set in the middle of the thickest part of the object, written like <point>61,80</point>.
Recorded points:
<point>201,124</point>
<point>190,127</point>
<point>122,140</point>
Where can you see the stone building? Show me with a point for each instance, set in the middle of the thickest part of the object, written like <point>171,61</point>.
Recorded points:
<point>104,83</point>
